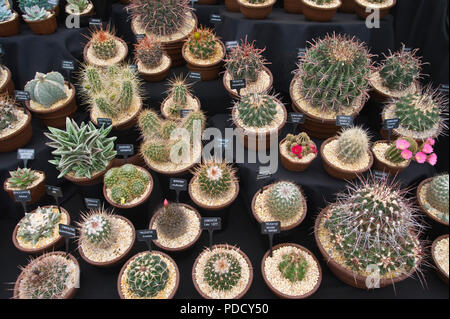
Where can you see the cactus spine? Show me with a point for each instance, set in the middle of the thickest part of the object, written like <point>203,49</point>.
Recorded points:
<point>257,109</point>
<point>47,89</point>
<point>96,228</point>
<point>293,266</point>
<point>104,44</point>
<point>284,200</point>
<point>222,271</point>
<point>202,43</point>
<point>149,52</point>
<point>179,90</point>
<point>352,145</point>
<point>215,178</point>
<point>437,193</point>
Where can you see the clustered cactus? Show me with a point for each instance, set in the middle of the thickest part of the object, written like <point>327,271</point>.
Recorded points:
<point>202,43</point>
<point>299,145</point>
<point>222,271</point>
<point>215,178</point>
<point>284,200</point>
<point>103,43</point>
<point>147,275</point>
<point>39,224</point>
<point>257,109</point>
<point>293,266</point>
<point>96,228</point>
<point>171,220</point>
<point>149,52</point>
<point>47,89</point>
<point>437,193</point>
<point>352,145</point>
<point>334,73</point>
<point>126,183</point>
<point>373,223</point>
<point>396,153</point>
<point>8,112</point>
<point>179,90</point>
<point>5,13</point>
<point>21,178</point>
<point>81,150</point>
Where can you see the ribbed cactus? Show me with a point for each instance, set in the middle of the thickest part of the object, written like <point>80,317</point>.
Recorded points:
<point>46,89</point>
<point>293,266</point>
<point>257,109</point>
<point>394,154</point>
<point>179,90</point>
<point>156,150</point>
<point>202,43</point>
<point>194,120</point>
<point>437,193</point>
<point>284,200</point>
<point>215,178</point>
<point>39,225</point>
<point>149,52</point>
<point>8,112</point>
<point>352,145</point>
<point>104,44</point>
<point>171,220</point>
<point>21,178</point>
<point>96,228</point>
<point>333,73</point>
<point>222,271</point>
<point>147,275</point>
<point>126,183</point>
<point>150,123</point>
<point>299,145</point>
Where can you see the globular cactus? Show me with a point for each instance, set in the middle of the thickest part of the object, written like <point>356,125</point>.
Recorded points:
<point>284,200</point>
<point>149,52</point>
<point>171,220</point>
<point>120,194</point>
<point>39,225</point>
<point>257,109</point>
<point>8,112</point>
<point>302,140</point>
<point>22,178</point>
<point>222,271</point>
<point>437,193</point>
<point>47,89</point>
<point>202,43</point>
<point>147,275</point>
<point>293,266</point>
<point>126,183</point>
<point>394,154</point>
<point>215,178</point>
<point>104,45</point>
<point>96,228</point>
<point>352,145</point>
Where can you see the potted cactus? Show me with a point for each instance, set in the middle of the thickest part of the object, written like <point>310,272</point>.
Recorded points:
<point>170,21</point>
<point>112,92</point>
<point>51,98</point>
<point>282,201</point>
<point>439,253</point>
<point>245,62</point>
<point>83,153</point>
<point>6,83</point>
<point>432,196</point>
<point>291,271</point>
<point>297,152</point>
<point>166,154</point>
<point>9,21</point>
<point>179,98</point>
<point>347,155</point>
<point>152,62</point>
<point>177,225</point>
<point>222,272</point>
<point>259,116</point>
<point>379,212</point>
<point>256,9</point>
<point>396,76</point>
<point>149,275</point>
<point>15,125</point>
<point>39,17</point>
<point>104,48</point>
<point>321,85</point>
<point>214,185</point>
<point>364,8</point>
<point>105,239</point>
<point>38,231</point>
<point>127,186</point>
<point>54,275</point>
<point>26,179</point>
<point>292,6</point>
<point>204,53</point>
<point>82,8</point>
<point>320,10</point>
<point>394,157</point>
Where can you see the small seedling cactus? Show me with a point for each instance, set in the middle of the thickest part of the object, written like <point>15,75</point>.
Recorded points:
<point>300,145</point>
<point>8,112</point>
<point>293,266</point>
<point>202,44</point>
<point>352,145</point>
<point>149,52</point>
<point>47,89</point>
<point>215,178</point>
<point>96,228</point>
<point>171,220</point>
<point>284,200</point>
<point>437,193</point>
<point>257,109</point>
<point>39,225</point>
<point>222,271</point>
<point>402,149</point>
<point>103,43</point>
<point>22,178</point>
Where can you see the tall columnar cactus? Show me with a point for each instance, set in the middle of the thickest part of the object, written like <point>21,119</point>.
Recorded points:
<point>334,74</point>
<point>437,193</point>
<point>245,61</point>
<point>104,44</point>
<point>394,153</point>
<point>293,266</point>
<point>373,223</point>
<point>8,112</point>
<point>147,275</point>
<point>149,52</point>
<point>179,90</point>
<point>171,220</point>
<point>222,271</point>
<point>22,178</point>
<point>215,178</point>
<point>47,89</point>
<point>96,228</point>
<point>160,17</point>
<point>202,43</point>
<point>126,183</point>
<point>352,145</point>
<point>284,200</point>
<point>39,225</point>
<point>257,109</point>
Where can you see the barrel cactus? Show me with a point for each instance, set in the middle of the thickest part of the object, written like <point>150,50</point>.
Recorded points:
<point>284,200</point>
<point>215,178</point>
<point>352,145</point>
<point>39,225</point>
<point>47,89</point>
<point>96,228</point>
<point>437,193</point>
<point>293,266</point>
<point>257,109</point>
<point>126,183</point>
<point>202,44</point>
<point>222,271</point>
<point>22,178</point>
<point>104,45</point>
<point>149,52</point>
<point>396,154</point>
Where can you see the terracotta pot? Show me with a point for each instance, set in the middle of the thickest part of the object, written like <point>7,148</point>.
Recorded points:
<point>182,248</point>
<point>95,179</point>
<point>293,6</point>
<point>70,293</point>
<point>422,204</point>
<point>118,259</point>
<point>46,26</point>
<point>291,165</point>
<point>278,292</point>
<point>314,13</point>
<point>250,279</point>
<point>440,272</point>
<point>232,5</point>
<point>143,199</point>
<point>208,207</point>
<point>207,2</point>
<point>56,117</point>
<point>283,228</point>
<point>361,10</point>
<point>57,243</point>
<point>11,27</point>
<point>136,159</point>
<point>385,167</point>
<point>163,112</point>
<point>129,123</point>
<point>19,138</point>
<point>347,6</point>
<point>233,94</point>
<point>158,76</point>
<point>121,58</point>
<point>37,191</point>
<point>256,12</point>
<point>8,86</point>
<point>119,288</point>
<point>349,277</point>
<point>208,71</point>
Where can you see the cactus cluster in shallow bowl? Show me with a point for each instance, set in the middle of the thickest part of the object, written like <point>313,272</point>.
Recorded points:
<point>284,200</point>
<point>22,178</point>
<point>149,52</point>
<point>215,178</point>
<point>352,145</point>
<point>222,271</point>
<point>47,89</point>
<point>39,225</point>
<point>437,193</point>
<point>257,109</point>
<point>202,44</point>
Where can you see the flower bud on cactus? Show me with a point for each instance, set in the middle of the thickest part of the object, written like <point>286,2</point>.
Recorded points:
<point>149,52</point>
<point>202,43</point>
<point>104,44</point>
<point>172,221</point>
<point>215,178</point>
<point>293,266</point>
<point>222,271</point>
<point>284,200</point>
<point>96,228</point>
<point>437,193</point>
<point>47,89</point>
<point>352,145</point>
<point>257,109</point>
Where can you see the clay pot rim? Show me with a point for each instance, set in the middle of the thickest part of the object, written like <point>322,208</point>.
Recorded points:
<point>77,180</point>
<point>54,109</point>
<point>124,267</point>
<point>173,173</point>
<point>315,118</point>
<point>288,159</point>
<point>224,52</point>
<point>384,95</point>
<point>20,130</point>
<point>181,248</point>
<point>278,292</point>
<point>144,197</point>
<point>270,3</point>
<point>393,167</point>
<point>69,294</point>
<point>337,5</point>
<point>421,204</point>
<point>217,207</point>
<point>44,248</point>
<point>235,95</point>
<point>438,266</point>
<point>356,276</point>
<point>159,72</point>
<point>116,260</point>
<point>341,170</point>
<point>228,247</point>
<point>51,16</point>
<point>394,2</point>
<point>166,116</point>
<point>81,14</point>
<point>285,228</point>
<point>8,76</point>
<point>86,58</point>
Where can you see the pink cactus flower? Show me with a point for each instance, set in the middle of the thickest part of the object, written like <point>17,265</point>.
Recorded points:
<point>432,159</point>
<point>297,149</point>
<point>430,141</point>
<point>406,154</point>
<point>427,148</point>
<point>402,144</point>
<point>421,157</point>
<point>313,148</point>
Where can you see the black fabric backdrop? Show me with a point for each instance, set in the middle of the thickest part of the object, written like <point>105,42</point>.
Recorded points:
<point>417,23</point>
